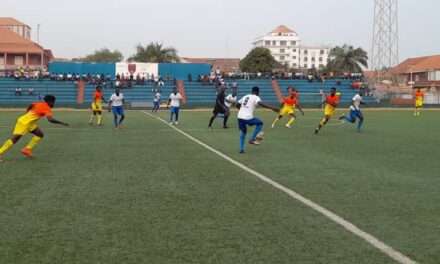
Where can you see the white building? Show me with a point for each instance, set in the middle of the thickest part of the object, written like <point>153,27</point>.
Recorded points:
<point>286,47</point>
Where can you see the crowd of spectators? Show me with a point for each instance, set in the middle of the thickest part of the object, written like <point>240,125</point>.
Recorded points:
<point>216,77</point>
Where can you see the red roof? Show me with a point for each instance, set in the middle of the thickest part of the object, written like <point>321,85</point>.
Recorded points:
<point>282,29</point>
<point>11,42</point>
<point>419,64</point>
<point>9,21</point>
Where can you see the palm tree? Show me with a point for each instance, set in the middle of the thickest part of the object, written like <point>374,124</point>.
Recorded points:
<point>347,59</point>
<point>155,52</point>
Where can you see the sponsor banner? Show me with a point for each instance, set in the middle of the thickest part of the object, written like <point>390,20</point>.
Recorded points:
<point>146,70</point>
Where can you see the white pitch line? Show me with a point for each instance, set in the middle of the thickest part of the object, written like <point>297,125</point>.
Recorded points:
<point>370,239</point>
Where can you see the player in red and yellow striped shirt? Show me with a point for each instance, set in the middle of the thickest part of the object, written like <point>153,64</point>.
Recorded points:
<point>290,103</point>
<point>419,99</point>
<point>331,102</point>
<point>27,123</point>
<point>98,98</point>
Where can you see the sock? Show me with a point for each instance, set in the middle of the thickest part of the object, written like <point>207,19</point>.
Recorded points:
<point>177,116</point>
<point>122,119</point>
<point>91,118</point>
<point>99,119</point>
<point>291,121</point>
<point>212,120</point>
<point>242,140</point>
<point>349,119</point>
<point>276,121</point>
<point>171,117</point>
<point>322,123</point>
<point>257,130</point>
<point>225,121</point>
<point>361,122</point>
<point>6,146</point>
<point>115,120</point>
<point>34,141</point>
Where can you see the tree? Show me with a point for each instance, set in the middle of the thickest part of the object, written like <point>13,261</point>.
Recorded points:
<point>258,60</point>
<point>103,55</point>
<point>155,52</point>
<point>347,59</point>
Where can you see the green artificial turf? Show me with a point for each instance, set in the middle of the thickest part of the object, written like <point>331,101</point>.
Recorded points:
<point>146,194</point>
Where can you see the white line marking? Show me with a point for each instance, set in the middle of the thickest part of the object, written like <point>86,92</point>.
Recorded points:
<point>370,239</point>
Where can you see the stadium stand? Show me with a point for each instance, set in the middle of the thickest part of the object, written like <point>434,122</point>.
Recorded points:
<point>198,94</point>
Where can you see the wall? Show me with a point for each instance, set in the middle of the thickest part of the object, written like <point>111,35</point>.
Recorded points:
<point>180,71</point>
<point>82,68</point>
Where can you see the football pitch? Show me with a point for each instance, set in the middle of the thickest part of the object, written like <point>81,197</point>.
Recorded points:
<point>149,193</point>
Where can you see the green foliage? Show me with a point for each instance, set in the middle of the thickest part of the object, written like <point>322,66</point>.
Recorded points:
<point>347,59</point>
<point>155,52</point>
<point>258,60</point>
<point>103,55</point>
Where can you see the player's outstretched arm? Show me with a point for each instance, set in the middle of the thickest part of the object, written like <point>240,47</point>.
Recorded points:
<point>275,109</point>
<point>54,121</point>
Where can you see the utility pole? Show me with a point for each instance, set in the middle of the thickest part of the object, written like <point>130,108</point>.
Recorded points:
<point>385,45</point>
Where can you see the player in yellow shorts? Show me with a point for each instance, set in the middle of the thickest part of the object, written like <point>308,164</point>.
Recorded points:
<point>98,98</point>
<point>419,101</point>
<point>290,103</point>
<point>27,123</point>
<point>331,102</point>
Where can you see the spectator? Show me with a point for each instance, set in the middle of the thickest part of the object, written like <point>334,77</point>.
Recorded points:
<point>160,82</point>
<point>18,91</point>
<point>31,91</point>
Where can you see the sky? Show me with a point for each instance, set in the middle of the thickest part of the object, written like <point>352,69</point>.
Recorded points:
<point>216,28</point>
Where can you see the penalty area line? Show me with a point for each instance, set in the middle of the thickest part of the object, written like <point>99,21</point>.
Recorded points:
<point>350,227</point>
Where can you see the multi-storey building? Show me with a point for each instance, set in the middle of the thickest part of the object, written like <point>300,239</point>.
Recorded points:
<point>287,48</point>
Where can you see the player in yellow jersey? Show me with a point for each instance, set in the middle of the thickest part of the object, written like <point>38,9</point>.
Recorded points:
<point>27,123</point>
<point>98,98</point>
<point>419,99</point>
<point>331,102</point>
<point>290,103</point>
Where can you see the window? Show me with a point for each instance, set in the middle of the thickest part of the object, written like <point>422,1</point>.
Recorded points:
<point>282,57</point>
<point>293,43</point>
<point>306,52</point>
<point>322,52</point>
<point>294,65</point>
<point>306,59</point>
<point>305,65</point>
<point>274,43</point>
<point>313,59</point>
<point>313,65</point>
<point>320,59</point>
<point>18,60</point>
<point>294,57</point>
<point>282,51</point>
<point>294,50</point>
<point>283,43</point>
<point>267,43</point>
